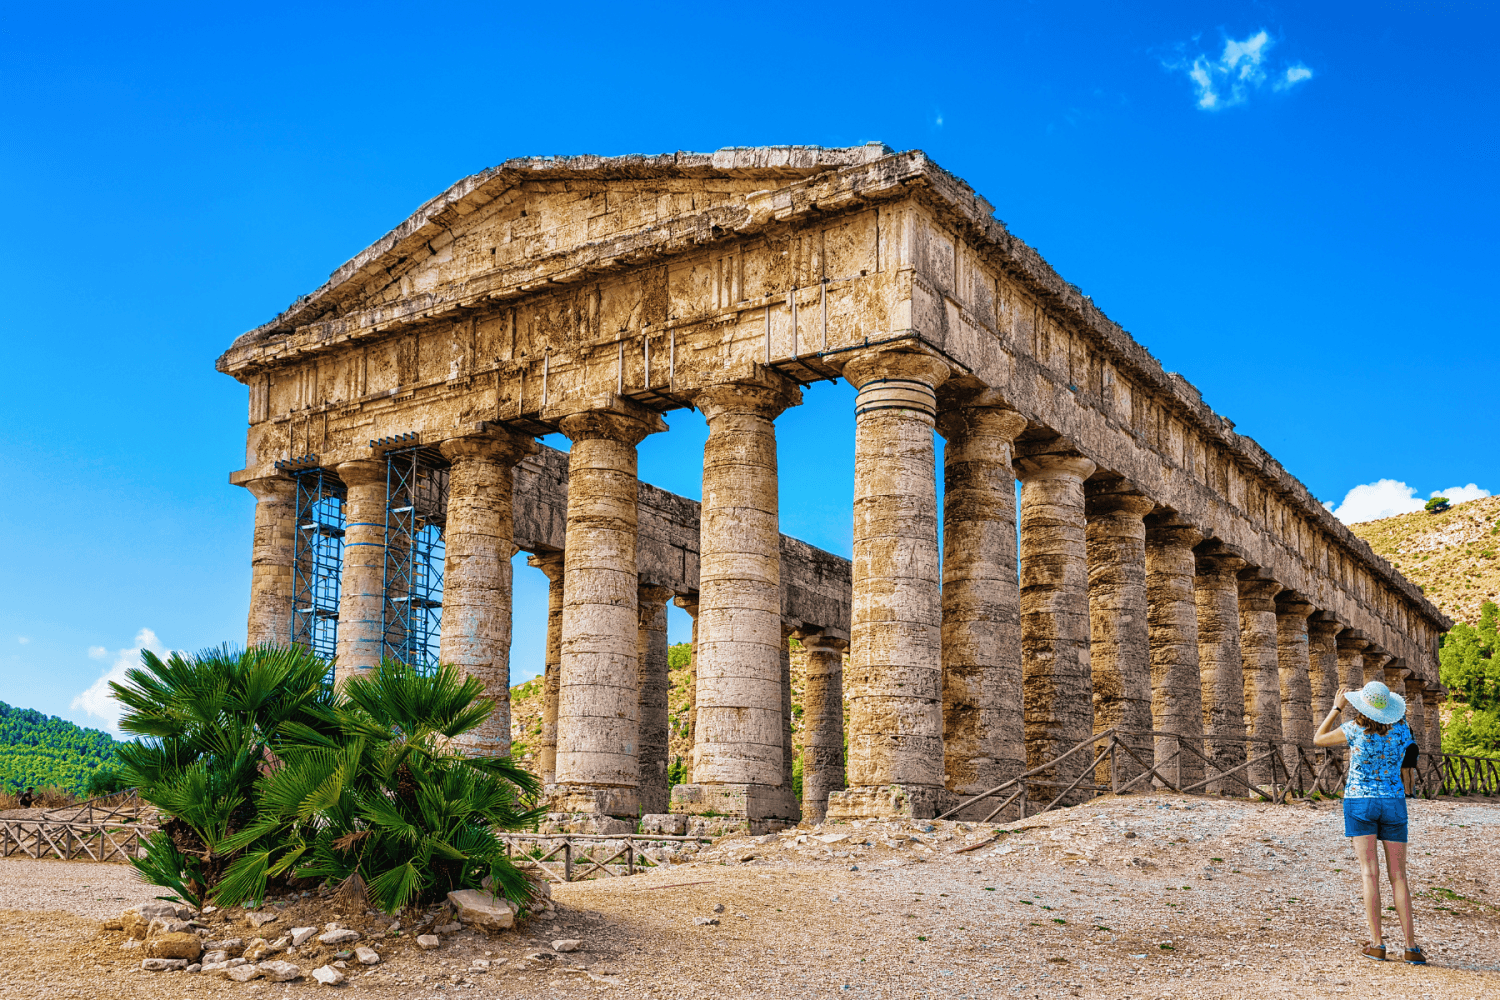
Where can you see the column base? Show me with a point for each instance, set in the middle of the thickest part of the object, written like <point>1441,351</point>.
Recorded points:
<point>889,802</point>
<point>736,801</point>
<point>604,803</point>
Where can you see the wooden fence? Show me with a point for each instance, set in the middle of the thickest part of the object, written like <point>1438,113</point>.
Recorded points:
<point>34,838</point>
<point>573,857</point>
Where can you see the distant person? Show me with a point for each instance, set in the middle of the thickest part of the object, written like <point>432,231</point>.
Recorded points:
<point>1409,769</point>
<point>27,798</point>
<point>1375,802</point>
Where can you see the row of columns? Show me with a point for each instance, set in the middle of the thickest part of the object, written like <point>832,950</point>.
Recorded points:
<point>958,678</point>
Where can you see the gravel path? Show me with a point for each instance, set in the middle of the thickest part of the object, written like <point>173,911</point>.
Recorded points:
<point>1206,899</point>
<point>83,888</point>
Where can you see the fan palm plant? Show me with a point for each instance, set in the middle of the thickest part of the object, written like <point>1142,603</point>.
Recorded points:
<point>375,794</point>
<point>209,724</point>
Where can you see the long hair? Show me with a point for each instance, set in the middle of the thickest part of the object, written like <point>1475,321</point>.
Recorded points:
<point>1374,728</point>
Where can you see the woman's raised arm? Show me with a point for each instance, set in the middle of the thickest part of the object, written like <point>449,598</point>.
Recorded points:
<point>1329,734</point>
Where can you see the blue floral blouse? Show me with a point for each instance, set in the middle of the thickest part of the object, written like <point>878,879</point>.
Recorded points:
<point>1375,762</point>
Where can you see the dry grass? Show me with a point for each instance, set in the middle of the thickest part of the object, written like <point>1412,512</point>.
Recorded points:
<point>1454,556</point>
<point>45,798</point>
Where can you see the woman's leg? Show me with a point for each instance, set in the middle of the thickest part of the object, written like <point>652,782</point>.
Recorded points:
<point>1369,870</point>
<point>1395,868</point>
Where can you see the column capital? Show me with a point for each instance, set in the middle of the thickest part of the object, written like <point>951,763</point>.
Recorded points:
<point>1218,565</point>
<point>276,487</point>
<point>1415,685</point>
<point>977,413</point>
<point>1103,497</point>
<point>502,448</point>
<point>612,418</point>
<point>1290,604</point>
<point>688,603</point>
<point>764,393</point>
<point>1352,639</point>
<point>1258,589</point>
<point>1063,465</point>
<point>817,640</point>
<point>1322,627</point>
<point>897,362</point>
<point>652,593</point>
<point>361,472</point>
<point>550,563</point>
<point>1166,530</point>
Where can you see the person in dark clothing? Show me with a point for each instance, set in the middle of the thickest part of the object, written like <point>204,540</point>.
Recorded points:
<point>1409,769</point>
<point>27,798</point>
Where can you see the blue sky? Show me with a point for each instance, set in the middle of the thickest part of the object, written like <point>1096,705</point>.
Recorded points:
<point>1295,208</point>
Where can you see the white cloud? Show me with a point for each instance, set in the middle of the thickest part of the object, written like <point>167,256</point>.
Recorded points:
<point>1462,494</point>
<point>1390,497</point>
<point>1372,501</point>
<point>1241,68</point>
<point>99,700</point>
<point>23,639</point>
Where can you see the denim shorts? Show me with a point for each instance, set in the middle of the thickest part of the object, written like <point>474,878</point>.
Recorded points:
<point>1385,818</point>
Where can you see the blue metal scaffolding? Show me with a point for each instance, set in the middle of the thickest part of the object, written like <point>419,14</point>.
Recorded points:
<point>317,561</point>
<point>416,511</point>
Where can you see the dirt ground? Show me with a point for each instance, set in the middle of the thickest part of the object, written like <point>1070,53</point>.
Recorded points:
<point>1139,896</point>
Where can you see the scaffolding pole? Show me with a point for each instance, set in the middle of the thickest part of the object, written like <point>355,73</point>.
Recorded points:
<point>415,515</point>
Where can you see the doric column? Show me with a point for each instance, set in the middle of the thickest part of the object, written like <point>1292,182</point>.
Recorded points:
<point>689,603</point>
<point>652,672</point>
<point>788,737</point>
<point>362,586</point>
<point>1414,688</point>
<point>1216,591</point>
<point>822,722</point>
<point>1351,645</point>
<point>1322,630</point>
<point>550,563</point>
<point>1259,657</point>
<point>739,733</point>
<point>894,681</point>
<point>1172,617</point>
<point>598,699</point>
<point>271,553</point>
<point>1375,658</point>
<point>984,736</point>
<point>1057,677</point>
<point>1119,633</point>
<point>1293,664</point>
<point>478,541</point>
<point>1434,696</point>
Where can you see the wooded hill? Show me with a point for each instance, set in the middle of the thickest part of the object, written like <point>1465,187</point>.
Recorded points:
<point>39,750</point>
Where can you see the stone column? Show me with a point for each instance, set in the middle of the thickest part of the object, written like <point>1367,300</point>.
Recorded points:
<point>550,563</point>
<point>1434,697</point>
<point>362,586</point>
<point>1262,673</point>
<point>1351,645</point>
<point>1293,664</point>
<point>478,540</point>
<point>1216,592</point>
<point>739,733</point>
<point>984,737</point>
<point>689,603</point>
<point>272,550</point>
<point>1119,633</point>
<point>1172,618</point>
<point>652,671</point>
<point>788,739</point>
<point>1375,659</point>
<point>598,698</point>
<point>1057,676</point>
<point>822,722</point>
<point>894,681</point>
<point>1416,710</point>
<point>1323,652</point>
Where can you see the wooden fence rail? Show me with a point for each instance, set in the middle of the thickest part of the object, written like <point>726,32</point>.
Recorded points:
<point>72,841</point>
<point>571,857</point>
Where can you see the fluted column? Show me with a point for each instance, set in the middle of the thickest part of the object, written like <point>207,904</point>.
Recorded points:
<point>689,603</point>
<point>652,671</point>
<point>1293,663</point>
<point>739,735</point>
<point>1351,645</point>
<point>788,736</point>
<point>1216,591</point>
<point>479,538</point>
<point>984,737</point>
<point>362,585</point>
<point>272,550</point>
<point>1119,632</point>
<point>1260,660</point>
<point>1433,699</point>
<point>1057,677</point>
<point>1414,688</point>
<point>598,697</point>
<point>894,680</point>
<point>1172,618</point>
<point>1322,632</point>
<point>822,723</point>
<point>550,563</point>
<point>1374,660</point>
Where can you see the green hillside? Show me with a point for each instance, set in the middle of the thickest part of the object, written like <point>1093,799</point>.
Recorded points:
<point>40,750</point>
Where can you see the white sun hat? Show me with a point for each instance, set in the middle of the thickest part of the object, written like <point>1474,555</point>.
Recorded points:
<point>1378,702</point>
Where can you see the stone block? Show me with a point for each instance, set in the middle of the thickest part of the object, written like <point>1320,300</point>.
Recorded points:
<point>136,920</point>
<point>328,975</point>
<point>737,801</point>
<point>667,824</point>
<point>280,972</point>
<point>342,935</point>
<point>888,802</point>
<point>164,964</point>
<point>175,945</point>
<point>482,910</point>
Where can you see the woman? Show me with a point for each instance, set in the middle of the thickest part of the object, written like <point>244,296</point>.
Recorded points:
<point>1375,801</point>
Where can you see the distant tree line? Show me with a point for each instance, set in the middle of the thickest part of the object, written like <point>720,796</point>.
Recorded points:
<point>1471,672</point>
<point>40,751</point>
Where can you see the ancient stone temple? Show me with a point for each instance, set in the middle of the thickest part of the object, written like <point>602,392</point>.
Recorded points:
<point>1162,574</point>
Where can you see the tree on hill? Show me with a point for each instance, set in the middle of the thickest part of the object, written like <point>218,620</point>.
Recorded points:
<point>1437,505</point>
<point>39,751</point>
<point>1471,672</point>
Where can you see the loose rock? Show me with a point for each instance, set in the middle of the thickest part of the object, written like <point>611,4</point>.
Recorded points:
<point>243,973</point>
<point>280,972</point>
<point>164,964</point>
<point>136,920</point>
<point>344,935</point>
<point>483,910</point>
<point>367,956</point>
<point>705,921</point>
<point>261,919</point>
<point>449,928</point>
<point>300,935</point>
<point>428,941</point>
<point>566,944</point>
<point>328,975</point>
<point>175,945</point>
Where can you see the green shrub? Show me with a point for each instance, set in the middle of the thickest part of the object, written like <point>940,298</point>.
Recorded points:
<point>1437,505</point>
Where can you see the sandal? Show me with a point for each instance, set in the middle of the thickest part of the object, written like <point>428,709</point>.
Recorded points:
<point>1375,951</point>
<point>1415,956</point>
